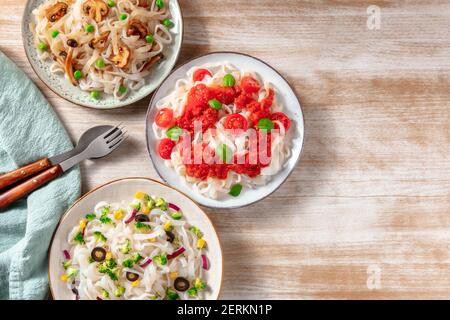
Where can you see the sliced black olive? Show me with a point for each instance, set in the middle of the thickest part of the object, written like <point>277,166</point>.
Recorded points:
<point>75,291</point>
<point>142,218</point>
<point>181,284</point>
<point>132,276</point>
<point>72,43</point>
<point>170,236</point>
<point>98,254</point>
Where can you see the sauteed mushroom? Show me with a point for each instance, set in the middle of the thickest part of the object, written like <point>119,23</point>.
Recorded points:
<point>151,62</point>
<point>95,9</point>
<point>137,28</point>
<point>100,41</point>
<point>56,12</point>
<point>122,58</point>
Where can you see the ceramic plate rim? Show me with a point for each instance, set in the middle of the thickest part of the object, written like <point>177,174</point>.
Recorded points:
<point>80,199</point>
<point>119,104</point>
<point>245,55</point>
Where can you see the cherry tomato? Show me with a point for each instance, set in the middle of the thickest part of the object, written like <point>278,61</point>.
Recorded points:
<point>200,74</point>
<point>164,118</point>
<point>165,148</point>
<point>280,116</point>
<point>250,85</point>
<point>236,121</point>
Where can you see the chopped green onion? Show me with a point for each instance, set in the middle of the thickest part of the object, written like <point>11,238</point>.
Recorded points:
<point>67,264</point>
<point>42,46</point>
<point>140,225</point>
<point>55,34</point>
<point>122,89</point>
<point>89,28</point>
<point>90,216</point>
<point>228,80</point>
<point>265,124</point>
<point>174,133</point>
<point>100,63</point>
<point>71,272</point>
<point>104,217</point>
<point>235,190</point>
<point>224,152</point>
<point>192,292</point>
<point>99,236</point>
<point>111,3</point>
<point>105,293</point>
<point>128,263</point>
<point>127,247</point>
<point>214,103</point>
<point>137,257</point>
<point>78,74</point>
<point>136,206</point>
<point>160,4</point>
<point>79,238</point>
<point>161,203</point>
<point>161,259</point>
<point>177,215</point>
<point>149,38</point>
<point>119,291</point>
<point>199,284</point>
<point>123,16</point>
<point>196,231</point>
<point>95,94</point>
<point>171,294</point>
<point>168,23</point>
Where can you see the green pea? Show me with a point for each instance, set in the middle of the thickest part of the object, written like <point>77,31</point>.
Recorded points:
<point>123,16</point>
<point>225,153</point>
<point>160,4</point>
<point>123,89</point>
<point>78,74</point>
<point>174,133</point>
<point>228,80</point>
<point>100,63</point>
<point>214,103</point>
<point>235,190</point>
<point>265,124</point>
<point>168,23</point>
<point>95,94</point>
<point>89,28</point>
<point>177,215</point>
<point>111,3</point>
<point>42,46</point>
<point>149,38</point>
<point>55,34</point>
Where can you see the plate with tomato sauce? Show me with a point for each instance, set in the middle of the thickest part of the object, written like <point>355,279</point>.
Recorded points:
<point>225,128</point>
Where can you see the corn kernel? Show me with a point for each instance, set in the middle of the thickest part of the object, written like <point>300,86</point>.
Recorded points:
<point>145,210</point>
<point>135,283</point>
<point>139,195</point>
<point>108,256</point>
<point>64,277</point>
<point>173,275</point>
<point>118,214</point>
<point>201,243</point>
<point>82,223</point>
<point>167,226</point>
<point>152,239</point>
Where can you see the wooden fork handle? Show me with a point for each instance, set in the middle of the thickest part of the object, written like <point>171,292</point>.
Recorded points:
<point>29,186</point>
<point>20,174</point>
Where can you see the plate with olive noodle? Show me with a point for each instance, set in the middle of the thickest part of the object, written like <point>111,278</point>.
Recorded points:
<point>102,54</point>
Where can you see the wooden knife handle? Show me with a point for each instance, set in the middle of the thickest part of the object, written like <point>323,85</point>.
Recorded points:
<point>30,185</point>
<point>17,175</point>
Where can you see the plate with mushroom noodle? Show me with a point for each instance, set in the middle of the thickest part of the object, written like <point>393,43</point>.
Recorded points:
<point>102,53</point>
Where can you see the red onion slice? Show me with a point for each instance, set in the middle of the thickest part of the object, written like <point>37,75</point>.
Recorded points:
<point>174,207</point>
<point>132,216</point>
<point>98,298</point>
<point>146,262</point>
<point>176,253</point>
<point>205,262</point>
<point>66,254</point>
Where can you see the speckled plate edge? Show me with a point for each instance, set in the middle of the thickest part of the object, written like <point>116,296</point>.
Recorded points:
<point>201,199</point>
<point>62,87</point>
<point>208,220</point>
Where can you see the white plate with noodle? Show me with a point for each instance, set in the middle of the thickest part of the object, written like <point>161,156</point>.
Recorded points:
<point>102,54</point>
<point>104,249</point>
<point>224,91</point>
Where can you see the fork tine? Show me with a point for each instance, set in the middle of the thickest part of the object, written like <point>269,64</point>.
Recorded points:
<point>116,138</point>
<point>116,134</point>
<point>109,132</point>
<point>118,143</point>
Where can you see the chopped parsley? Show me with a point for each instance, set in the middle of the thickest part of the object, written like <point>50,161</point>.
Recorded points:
<point>99,236</point>
<point>90,216</point>
<point>79,238</point>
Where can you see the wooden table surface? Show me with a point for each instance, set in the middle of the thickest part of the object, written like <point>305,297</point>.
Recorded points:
<point>366,214</point>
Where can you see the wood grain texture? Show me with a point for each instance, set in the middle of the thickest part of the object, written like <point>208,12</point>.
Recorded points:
<point>371,193</point>
<point>9,178</point>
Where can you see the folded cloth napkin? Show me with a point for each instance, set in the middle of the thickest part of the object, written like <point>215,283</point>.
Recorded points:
<point>29,131</point>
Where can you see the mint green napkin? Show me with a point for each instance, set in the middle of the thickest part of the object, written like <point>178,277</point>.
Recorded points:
<point>29,130</point>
